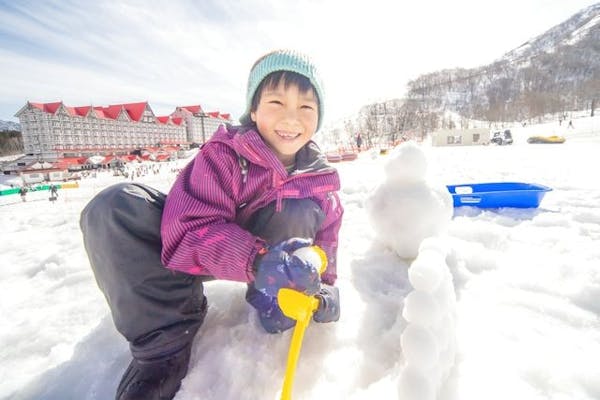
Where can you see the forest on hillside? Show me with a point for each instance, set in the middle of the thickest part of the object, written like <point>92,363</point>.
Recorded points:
<point>11,142</point>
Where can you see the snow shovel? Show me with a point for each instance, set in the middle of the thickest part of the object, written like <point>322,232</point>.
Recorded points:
<point>299,307</point>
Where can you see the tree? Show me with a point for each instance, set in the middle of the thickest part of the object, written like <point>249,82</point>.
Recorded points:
<point>11,142</point>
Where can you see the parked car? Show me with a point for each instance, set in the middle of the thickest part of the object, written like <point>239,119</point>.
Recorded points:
<point>502,138</point>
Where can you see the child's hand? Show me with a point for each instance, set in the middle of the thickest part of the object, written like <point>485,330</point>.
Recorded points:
<point>329,304</point>
<point>270,315</point>
<point>278,269</point>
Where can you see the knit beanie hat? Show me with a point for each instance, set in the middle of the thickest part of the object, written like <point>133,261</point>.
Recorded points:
<point>282,60</point>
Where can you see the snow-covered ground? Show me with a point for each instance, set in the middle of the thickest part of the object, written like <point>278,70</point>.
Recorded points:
<point>526,283</point>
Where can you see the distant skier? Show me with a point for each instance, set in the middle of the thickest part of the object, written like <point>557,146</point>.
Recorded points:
<point>53,193</point>
<point>359,141</point>
<point>23,193</point>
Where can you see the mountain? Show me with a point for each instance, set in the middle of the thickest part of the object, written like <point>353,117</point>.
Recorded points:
<point>554,72</point>
<point>9,126</point>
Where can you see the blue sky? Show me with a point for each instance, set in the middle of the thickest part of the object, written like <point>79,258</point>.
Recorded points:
<point>175,52</point>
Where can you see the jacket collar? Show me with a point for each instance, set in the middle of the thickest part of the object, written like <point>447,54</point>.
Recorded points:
<point>248,143</point>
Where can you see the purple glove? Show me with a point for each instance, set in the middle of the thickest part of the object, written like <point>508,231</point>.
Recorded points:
<point>278,269</point>
<point>270,315</point>
<point>329,304</point>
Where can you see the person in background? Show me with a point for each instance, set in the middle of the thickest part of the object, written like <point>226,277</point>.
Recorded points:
<point>253,195</point>
<point>53,192</point>
<point>23,193</point>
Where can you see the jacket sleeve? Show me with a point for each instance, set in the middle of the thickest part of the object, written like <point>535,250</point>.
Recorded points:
<point>327,236</point>
<point>198,229</point>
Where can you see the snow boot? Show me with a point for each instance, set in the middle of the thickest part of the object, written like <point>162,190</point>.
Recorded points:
<point>157,379</point>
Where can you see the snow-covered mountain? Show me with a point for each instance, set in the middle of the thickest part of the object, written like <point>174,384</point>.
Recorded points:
<point>554,72</point>
<point>578,28</point>
<point>9,126</point>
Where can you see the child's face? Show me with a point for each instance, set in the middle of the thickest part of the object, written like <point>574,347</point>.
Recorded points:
<point>286,119</point>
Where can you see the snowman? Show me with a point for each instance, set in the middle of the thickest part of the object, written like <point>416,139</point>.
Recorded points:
<point>410,214</point>
<point>407,207</point>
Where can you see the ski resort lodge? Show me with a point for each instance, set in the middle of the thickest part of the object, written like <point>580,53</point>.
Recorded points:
<point>51,130</point>
<point>59,134</point>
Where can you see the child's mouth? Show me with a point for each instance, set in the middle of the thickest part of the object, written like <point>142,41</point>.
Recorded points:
<point>287,135</point>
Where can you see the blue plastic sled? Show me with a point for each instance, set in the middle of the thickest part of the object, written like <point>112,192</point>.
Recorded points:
<point>498,194</point>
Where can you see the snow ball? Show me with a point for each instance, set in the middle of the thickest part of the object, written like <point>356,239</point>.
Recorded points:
<point>419,346</point>
<point>313,256</point>
<point>421,308</point>
<point>407,163</point>
<point>445,331</point>
<point>403,214</point>
<point>414,385</point>
<point>452,258</point>
<point>445,294</point>
<point>427,271</point>
<point>436,244</point>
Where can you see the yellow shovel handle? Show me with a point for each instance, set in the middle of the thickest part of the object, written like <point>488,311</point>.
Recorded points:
<point>295,346</point>
<point>301,308</point>
<point>292,361</point>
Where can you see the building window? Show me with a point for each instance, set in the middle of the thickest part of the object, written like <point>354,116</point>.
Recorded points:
<point>454,139</point>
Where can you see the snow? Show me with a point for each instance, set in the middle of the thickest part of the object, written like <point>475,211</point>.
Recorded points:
<point>579,33</point>
<point>498,304</point>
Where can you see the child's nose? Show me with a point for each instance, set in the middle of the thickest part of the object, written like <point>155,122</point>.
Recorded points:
<point>291,114</point>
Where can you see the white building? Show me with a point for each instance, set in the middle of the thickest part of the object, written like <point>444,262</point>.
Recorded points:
<point>200,125</point>
<point>51,130</point>
<point>460,137</point>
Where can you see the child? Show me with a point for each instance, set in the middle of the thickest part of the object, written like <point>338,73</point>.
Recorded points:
<point>251,196</point>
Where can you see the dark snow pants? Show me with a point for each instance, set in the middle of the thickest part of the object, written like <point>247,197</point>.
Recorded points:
<point>158,310</point>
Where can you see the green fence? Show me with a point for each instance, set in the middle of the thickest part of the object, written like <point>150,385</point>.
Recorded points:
<point>38,188</point>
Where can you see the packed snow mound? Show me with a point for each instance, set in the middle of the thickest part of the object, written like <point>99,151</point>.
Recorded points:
<point>407,164</point>
<point>429,343</point>
<point>408,207</point>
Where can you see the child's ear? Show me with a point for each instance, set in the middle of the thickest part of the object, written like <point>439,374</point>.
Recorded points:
<point>253,116</point>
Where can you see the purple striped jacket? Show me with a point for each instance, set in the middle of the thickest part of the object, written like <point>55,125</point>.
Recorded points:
<point>215,195</point>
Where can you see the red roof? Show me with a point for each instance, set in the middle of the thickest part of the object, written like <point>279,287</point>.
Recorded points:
<point>43,170</point>
<point>99,112</point>
<point>135,110</point>
<point>47,107</point>
<point>68,161</point>
<point>193,109</point>
<point>82,111</point>
<point>112,111</point>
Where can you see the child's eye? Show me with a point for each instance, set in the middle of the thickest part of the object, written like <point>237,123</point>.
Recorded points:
<point>307,107</point>
<point>275,102</point>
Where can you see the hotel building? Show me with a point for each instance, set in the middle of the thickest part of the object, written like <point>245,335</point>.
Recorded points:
<point>53,130</point>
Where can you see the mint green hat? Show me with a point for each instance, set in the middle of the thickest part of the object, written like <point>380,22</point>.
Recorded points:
<point>283,60</point>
